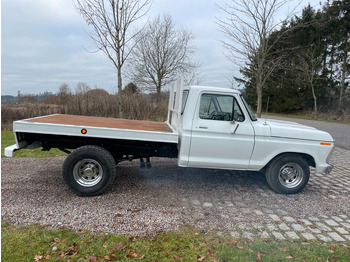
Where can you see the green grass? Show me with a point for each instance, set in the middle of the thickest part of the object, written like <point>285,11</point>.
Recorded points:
<point>7,139</point>
<point>37,243</point>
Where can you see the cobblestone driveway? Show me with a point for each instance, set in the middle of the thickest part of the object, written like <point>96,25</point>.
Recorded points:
<point>168,197</point>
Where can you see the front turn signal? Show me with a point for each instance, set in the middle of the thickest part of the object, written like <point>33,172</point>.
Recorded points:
<point>325,144</point>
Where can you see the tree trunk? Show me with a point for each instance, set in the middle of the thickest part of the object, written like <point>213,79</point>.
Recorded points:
<point>159,88</point>
<point>344,71</point>
<point>315,98</point>
<point>120,94</point>
<point>259,88</point>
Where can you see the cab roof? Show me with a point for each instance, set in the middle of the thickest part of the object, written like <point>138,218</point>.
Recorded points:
<point>212,88</point>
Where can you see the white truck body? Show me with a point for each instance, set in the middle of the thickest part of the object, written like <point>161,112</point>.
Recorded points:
<point>207,127</point>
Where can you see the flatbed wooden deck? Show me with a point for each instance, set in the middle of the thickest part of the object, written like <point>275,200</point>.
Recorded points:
<point>91,121</point>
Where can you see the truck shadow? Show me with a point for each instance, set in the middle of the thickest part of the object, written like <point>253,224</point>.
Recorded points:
<point>169,175</point>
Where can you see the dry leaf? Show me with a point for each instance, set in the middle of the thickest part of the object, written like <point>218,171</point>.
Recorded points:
<point>132,255</point>
<point>117,247</point>
<point>92,259</point>
<point>333,247</point>
<point>200,258</point>
<point>233,241</point>
<point>38,258</point>
<point>56,240</point>
<point>284,249</point>
<point>258,257</point>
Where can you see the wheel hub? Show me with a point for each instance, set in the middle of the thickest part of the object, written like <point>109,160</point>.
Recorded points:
<point>290,175</point>
<point>87,172</point>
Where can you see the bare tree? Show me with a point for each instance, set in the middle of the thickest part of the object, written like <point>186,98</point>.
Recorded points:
<point>161,54</point>
<point>310,66</point>
<point>64,94</point>
<point>194,77</point>
<point>248,27</point>
<point>111,21</point>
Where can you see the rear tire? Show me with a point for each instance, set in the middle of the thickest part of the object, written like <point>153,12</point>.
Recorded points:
<point>288,174</point>
<point>89,170</point>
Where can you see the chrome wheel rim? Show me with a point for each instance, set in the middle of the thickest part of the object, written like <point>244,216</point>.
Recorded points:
<point>87,172</point>
<point>290,175</point>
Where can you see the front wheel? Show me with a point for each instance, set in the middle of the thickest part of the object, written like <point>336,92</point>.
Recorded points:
<point>89,170</point>
<point>288,174</point>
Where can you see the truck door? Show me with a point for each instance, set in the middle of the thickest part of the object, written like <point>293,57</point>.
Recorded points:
<point>217,140</point>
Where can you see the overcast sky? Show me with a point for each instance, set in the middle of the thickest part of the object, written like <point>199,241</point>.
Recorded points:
<point>44,44</point>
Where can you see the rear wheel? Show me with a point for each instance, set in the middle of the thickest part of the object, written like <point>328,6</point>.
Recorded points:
<point>89,170</point>
<point>288,174</point>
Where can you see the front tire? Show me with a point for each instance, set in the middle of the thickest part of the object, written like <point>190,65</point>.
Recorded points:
<point>89,170</point>
<point>288,174</point>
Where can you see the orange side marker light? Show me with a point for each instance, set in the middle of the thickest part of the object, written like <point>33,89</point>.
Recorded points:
<point>83,131</point>
<point>325,144</point>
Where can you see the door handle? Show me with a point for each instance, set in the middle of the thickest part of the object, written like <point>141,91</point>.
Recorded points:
<point>203,127</point>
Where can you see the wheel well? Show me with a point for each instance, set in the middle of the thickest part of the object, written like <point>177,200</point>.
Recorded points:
<point>309,159</point>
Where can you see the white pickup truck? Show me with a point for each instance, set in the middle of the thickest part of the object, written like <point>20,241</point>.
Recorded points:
<point>207,127</point>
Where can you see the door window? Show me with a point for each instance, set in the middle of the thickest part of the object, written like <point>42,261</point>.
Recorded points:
<point>219,107</point>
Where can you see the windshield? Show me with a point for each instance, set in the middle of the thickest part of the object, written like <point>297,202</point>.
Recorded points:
<point>250,112</point>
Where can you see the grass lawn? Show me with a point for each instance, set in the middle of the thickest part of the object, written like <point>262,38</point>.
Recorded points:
<point>7,139</point>
<point>37,243</point>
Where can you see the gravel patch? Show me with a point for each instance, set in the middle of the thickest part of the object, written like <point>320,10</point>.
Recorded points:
<point>167,197</point>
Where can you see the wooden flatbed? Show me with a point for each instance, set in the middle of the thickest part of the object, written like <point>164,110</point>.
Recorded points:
<point>101,127</point>
<point>93,121</point>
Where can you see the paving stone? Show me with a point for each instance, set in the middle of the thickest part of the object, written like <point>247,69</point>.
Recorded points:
<point>289,219</point>
<point>338,219</point>
<point>314,219</point>
<point>275,217</point>
<point>336,237</point>
<point>196,202</point>
<point>235,234</point>
<point>308,236</point>
<point>264,235</point>
<point>324,238</point>
<point>306,222</point>
<point>347,225</point>
<point>278,235</point>
<point>258,212</point>
<point>315,230</point>
<point>298,227</point>
<point>284,227</point>
<point>207,204</point>
<point>323,227</point>
<point>331,222</point>
<point>292,235</point>
<point>341,230</point>
<point>347,236</point>
<point>248,235</point>
<point>271,227</point>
